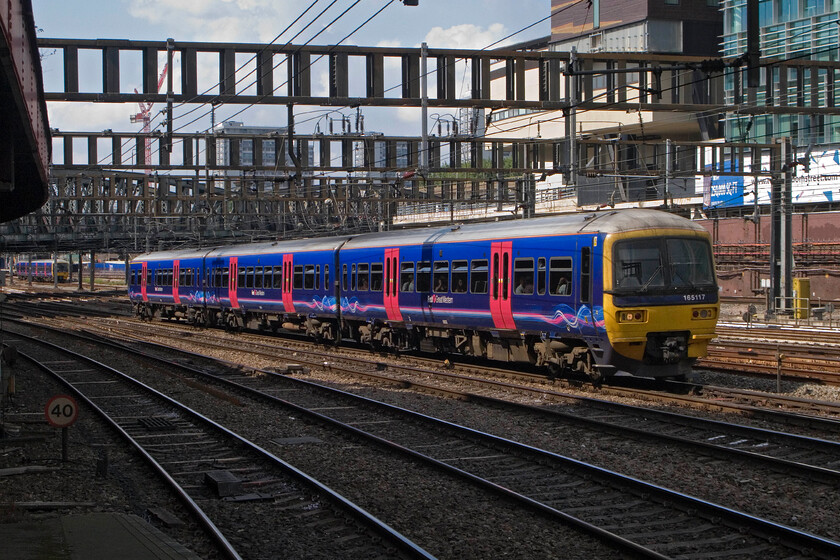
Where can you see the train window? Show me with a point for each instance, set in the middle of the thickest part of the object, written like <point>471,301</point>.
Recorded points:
<point>690,262</point>
<point>318,277</point>
<point>424,276</point>
<point>585,274</point>
<point>241,277</point>
<point>363,277</point>
<point>182,277</point>
<point>478,276</point>
<point>505,275</point>
<point>395,283</point>
<point>344,277</point>
<point>327,277</point>
<point>560,276</point>
<point>298,277</point>
<point>541,276</point>
<point>258,277</point>
<point>225,279</point>
<point>441,276</point>
<point>148,277</point>
<point>353,277</point>
<point>459,277</point>
<point>278,278</point>
<point>495,276</point>
<point>376,277</point>
<point>407,276</point>
<point>523,276</point>
<point>249,278</point>
<point>308,277</point>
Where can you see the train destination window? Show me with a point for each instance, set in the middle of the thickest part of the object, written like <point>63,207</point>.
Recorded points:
<point>308,277</point>
<point>441,276</point>
<point>459,277</point>
<point>478,276</point>
<point>560,276</point>
<point>298,277</point>
<point>407,276</point>
<point>376,277</point>
<point>523,276</point>
<point>424,276</point>
<point>541,276</point>
<point>364,279</point>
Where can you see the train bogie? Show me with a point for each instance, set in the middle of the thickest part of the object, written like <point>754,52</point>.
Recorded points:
<point>595,294</point>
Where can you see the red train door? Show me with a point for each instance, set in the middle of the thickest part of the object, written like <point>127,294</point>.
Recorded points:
<point>143,277</point>
<point>500,274</point>
<point>176,269</point>
<point>288,301</point>
<point>233,280</point>
<point>391,292</point>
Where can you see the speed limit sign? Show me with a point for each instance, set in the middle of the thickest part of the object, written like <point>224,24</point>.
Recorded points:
<point>61,411</point>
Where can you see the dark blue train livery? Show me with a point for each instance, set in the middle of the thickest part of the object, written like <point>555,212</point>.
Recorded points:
<point>629,290</point>
<point>43,270</point>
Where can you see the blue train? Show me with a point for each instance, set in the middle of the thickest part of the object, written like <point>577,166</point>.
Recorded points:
<point>629,290</point>
<point>42,270</point>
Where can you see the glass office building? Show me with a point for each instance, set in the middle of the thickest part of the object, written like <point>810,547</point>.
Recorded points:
<point>790,29</point>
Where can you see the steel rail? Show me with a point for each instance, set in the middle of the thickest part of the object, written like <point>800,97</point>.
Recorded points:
<point>757,524</point>
<point>381,528</point>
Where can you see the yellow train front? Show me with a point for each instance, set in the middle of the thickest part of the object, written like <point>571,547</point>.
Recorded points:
<point>661,300</point>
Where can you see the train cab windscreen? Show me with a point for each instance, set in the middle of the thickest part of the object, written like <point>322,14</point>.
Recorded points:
<point>662,265</point>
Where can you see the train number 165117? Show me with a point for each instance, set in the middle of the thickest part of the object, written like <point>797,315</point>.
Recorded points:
<point>694,297</point>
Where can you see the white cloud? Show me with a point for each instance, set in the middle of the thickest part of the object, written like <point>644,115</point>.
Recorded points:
<point>249,21</point>
<point>78,116</point>
<point>466,36</point>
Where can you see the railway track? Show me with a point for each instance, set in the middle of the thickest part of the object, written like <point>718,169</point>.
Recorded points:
<point>595,498</point>
<point>806,413</point>
<point>790,353</point>
<point>219,475</point>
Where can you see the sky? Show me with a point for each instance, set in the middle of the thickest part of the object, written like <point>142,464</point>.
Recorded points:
<point>439,23</point>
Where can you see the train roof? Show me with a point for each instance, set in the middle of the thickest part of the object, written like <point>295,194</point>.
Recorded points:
<point>274,247</point>
<point>43,261</point>
<point>601,222</point>
<point>612,221</point>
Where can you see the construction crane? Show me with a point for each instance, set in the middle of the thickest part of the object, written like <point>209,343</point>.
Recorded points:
<point>145,117</point>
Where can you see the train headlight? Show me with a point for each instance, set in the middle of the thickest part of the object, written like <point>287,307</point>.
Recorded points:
<point>632,316</point>
<point>702,313</point>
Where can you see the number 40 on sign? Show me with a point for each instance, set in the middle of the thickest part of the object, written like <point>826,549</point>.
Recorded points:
<point>61,411</point>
